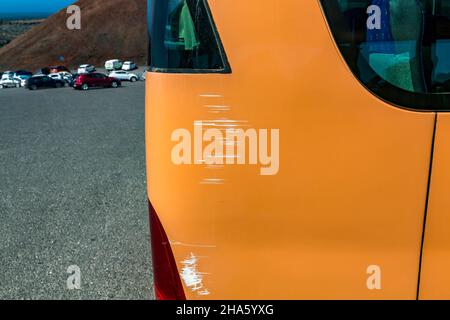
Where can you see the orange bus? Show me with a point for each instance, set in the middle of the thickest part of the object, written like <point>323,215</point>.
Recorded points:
<point>299,149</point>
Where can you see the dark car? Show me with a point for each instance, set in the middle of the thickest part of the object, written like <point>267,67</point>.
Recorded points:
<point>92,80</point>
<point>43,82</point>
<point>23,73</point>
<point>42,71</point>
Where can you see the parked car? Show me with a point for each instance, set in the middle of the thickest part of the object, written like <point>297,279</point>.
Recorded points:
<point>22,79</point>
<point>58,69</point>
<point>7,74</point>
<point>42,71</point>
<point>56,76</point>
<point>73,79</point>
<point>92,80</point>
<point>9,82</point>
<point>129,65</point>
<point>43,82</point>
<point>63,76</point>
<point>85,68</point>
<point>23,73</point>
<point>66,76</point>
<point>114,64</point>
<point>124,75</point>
<point>143,75</point>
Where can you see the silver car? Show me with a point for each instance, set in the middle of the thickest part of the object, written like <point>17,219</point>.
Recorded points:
<point>9,82</point>
<point>124,75</point>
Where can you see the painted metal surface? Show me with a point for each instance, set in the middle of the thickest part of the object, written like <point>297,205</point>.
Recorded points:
<point>435,278</point>
<point>351,185</point>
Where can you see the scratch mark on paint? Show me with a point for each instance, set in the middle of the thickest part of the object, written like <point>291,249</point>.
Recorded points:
<point>212,181</point>
<point>178,243</point>
<point>211,95</point>
<point>218,109</point>
<point>192,277</point>
<point>203,292</point>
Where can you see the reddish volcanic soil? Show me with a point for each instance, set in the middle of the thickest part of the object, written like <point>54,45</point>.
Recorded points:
<point>109,29</point>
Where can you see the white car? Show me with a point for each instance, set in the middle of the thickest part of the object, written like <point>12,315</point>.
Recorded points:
<point>22,79</point>
<point>85,68</point>
<point>129,65</point>
<point>9,82</point>
<point>124,75</point>
<point>63,76</point>
<point>66,76</point>
<point>56,76</point>
<point>7,74</point>
<point>114,64</point>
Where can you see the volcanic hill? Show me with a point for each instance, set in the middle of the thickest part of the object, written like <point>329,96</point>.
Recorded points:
<point>109,29</point>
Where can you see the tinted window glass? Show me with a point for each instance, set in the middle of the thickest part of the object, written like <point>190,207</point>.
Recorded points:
<point>183,38</point>
<point>399,49</point>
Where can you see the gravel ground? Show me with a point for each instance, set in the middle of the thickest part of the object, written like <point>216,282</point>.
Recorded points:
<point>72,192</point>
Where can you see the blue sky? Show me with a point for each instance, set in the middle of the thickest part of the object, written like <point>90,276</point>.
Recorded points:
<point>25,6</point>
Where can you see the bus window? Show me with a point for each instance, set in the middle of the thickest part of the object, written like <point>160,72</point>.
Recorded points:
<point>180,33</point>
<point>183,38</point>
<point>399,49</point>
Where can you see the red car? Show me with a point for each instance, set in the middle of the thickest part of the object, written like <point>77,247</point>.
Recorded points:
<point>92,80</point>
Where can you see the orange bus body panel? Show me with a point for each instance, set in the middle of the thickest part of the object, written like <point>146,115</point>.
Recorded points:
<point>352,182</point>
<point>435,277</point>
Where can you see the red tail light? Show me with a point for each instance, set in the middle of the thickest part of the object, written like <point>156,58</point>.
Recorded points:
<point>165,273</point>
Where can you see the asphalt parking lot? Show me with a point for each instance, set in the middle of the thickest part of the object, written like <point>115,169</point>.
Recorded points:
<point>72,192</point>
